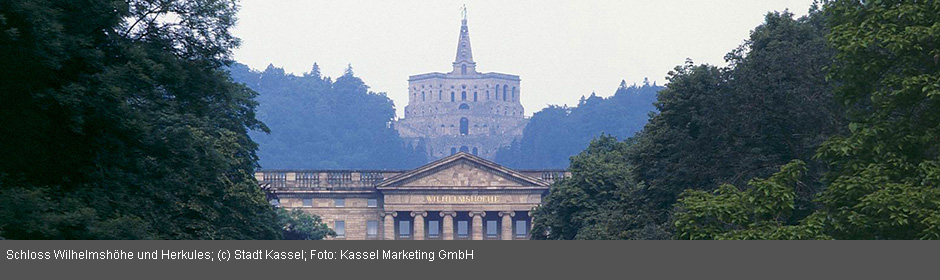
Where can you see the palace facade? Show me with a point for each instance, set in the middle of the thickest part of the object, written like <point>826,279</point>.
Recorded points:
<point>461,196</point>
<point>462,110</point>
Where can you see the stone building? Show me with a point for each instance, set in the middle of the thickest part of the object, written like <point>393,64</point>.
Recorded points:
<point>462,110</point>
<point>461,196</point>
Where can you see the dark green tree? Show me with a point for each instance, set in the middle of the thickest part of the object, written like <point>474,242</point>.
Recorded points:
<point>298,225</point>
<point>119,124</point>
<point>718,126</point>
<point>595,203</point>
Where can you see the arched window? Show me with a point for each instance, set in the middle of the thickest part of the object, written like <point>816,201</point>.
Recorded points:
<point>464,106</point>
<point>487,95</point>
<point>453,151</point>
<point>505,89</point>
<point>474,96</point>
<point>464,126</point>
<point>463,69</point>
<point>440,95</point>
<point>474,150</point>
<point>451,96</point>
<point>513,93</point>
<point>422,96</point>
<point>496,95</point>
<point>464,149</point>
<point>463,96</point>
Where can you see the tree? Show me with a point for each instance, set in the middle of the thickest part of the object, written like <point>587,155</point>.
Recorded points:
<point>595,202</point>
<point>885,174</point>
<point>728,125</point>
<point>762,211</point>
<point>298,225</point>
<point>118,123</point>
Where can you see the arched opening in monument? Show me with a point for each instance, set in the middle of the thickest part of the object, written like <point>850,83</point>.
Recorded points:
<point>464,149</point>
<point>474,96</point>
<point>464,126</point>
<point>453,151</point>
<point>464,106</point>
<point>451,96</point>
<point>505,89</point>
<point>463,96</point>
<point>474,150</point>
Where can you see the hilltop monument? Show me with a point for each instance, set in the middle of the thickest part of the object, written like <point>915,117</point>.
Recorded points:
<point>462,110</point>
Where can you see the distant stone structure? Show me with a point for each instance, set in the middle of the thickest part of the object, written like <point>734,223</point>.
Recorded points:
<point>463,110</point>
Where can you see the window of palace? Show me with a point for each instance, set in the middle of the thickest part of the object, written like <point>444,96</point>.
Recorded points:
<point>434,229</point>
<point>339,202</point>
<point>474,96</point>
<point>463,96</point>
<point>308,202</point>
<point>372,229</point>
<point>451,96</point>
<point>492,229</point>
<point>422,96</point>
<point>464,126</point>
<point>463,229</point>
<point>404,229</point>
<point>505,88</point>
<point>522,229</point>
<point>340,228</point>
<point>373,202</point>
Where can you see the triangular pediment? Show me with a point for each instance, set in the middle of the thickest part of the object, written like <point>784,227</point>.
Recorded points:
<point>462,170</point>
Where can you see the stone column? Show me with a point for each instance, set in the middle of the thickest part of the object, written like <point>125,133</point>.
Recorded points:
<point>507,224</point>
<point>477,233</point>
<point>418,224</point>
<point>448,226</point>
<point>390,225</point>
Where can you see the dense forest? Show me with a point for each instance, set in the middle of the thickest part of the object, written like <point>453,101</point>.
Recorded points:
<point>825,126</point>
<point>556,133</point>
<point>319,123</point>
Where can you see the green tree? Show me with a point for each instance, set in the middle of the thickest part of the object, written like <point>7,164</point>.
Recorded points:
<point>762,211</point>
<point>885,178</point>
<point>727,125</point>
<point>298,225</point>
<point>119,124</point>
<point>595,201</point>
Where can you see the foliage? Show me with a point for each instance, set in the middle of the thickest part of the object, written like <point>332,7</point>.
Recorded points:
<point>318,123</point>
<point>759,212</point>
<point>595,202</point>
<point>556,133</point>
<point>298,225</point>
<point>118,124</point>
<point>727,125</point>
<point>886,173</point>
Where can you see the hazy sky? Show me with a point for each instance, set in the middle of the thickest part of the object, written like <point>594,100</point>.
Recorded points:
<point>560,49</point>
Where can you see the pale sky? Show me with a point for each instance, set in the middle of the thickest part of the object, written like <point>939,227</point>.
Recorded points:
<point>560,49</point>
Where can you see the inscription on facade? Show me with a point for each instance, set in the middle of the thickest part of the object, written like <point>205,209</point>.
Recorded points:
<point>461,198</point>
